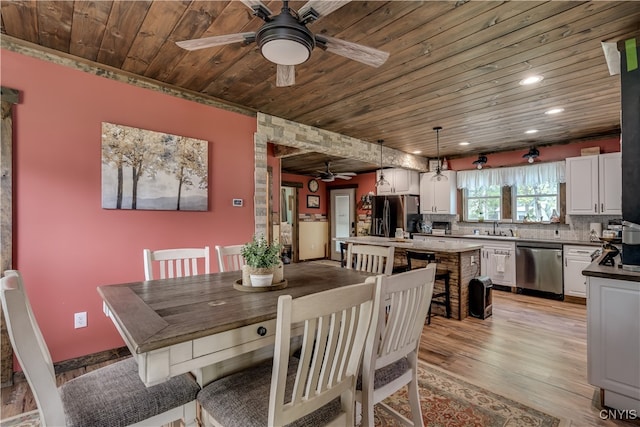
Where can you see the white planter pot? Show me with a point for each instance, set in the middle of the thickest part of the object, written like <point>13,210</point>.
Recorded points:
<point>261,279</point>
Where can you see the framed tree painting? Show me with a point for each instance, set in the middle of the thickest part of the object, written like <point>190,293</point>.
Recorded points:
<point>147,170</point>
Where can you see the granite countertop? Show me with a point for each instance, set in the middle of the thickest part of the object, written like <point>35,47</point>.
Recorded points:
<point>450,247</point>
<point>606,272</point>
<point>513,239</point>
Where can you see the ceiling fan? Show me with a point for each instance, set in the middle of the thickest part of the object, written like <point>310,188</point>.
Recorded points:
<point>328,176</point>
<point>285,40</point>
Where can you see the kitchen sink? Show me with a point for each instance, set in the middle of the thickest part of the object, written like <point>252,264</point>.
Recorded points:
<point>488,236</point>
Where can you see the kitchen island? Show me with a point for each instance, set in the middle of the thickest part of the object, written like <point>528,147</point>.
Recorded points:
<point>613,335</point>
<point>460,259</point>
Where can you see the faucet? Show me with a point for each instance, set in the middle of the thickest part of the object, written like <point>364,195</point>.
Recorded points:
<point>495,224</point>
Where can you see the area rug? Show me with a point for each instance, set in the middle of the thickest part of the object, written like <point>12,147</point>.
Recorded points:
<point>447,401</point>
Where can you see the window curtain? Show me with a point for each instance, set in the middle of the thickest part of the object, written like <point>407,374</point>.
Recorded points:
<point>509,176</point>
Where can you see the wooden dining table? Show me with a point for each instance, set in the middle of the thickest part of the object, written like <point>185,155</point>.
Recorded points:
<point>203,324</point>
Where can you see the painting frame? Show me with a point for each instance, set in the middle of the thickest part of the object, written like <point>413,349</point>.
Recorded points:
<point>150,170</point>
<point>313,201</point>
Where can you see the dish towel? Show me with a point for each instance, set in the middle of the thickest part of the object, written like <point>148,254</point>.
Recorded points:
<point>500,262</point>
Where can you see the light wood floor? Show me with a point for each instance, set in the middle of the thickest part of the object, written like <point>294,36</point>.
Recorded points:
<point>531,350</point>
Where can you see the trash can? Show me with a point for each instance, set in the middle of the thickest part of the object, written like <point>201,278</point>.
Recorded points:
<point>480,301</point>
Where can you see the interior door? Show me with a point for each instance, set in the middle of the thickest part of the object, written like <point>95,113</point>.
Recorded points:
<point>289,222</point>
<point>342,216</point>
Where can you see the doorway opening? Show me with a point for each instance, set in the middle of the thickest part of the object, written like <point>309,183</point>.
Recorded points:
<point>289,221</point>
<point>342,212</point>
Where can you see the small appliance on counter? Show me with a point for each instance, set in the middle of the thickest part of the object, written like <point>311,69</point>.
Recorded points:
<point>630,242</point>
<point>440,228</point>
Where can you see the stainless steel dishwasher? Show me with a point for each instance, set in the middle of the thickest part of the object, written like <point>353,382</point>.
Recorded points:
<point>539,267</point>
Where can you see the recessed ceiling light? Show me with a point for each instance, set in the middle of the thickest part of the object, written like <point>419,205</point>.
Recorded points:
<point>554,111</point>
<point>531,80</point>
<point>417,152</point>
<point>464,143</point>
<point>530,131</point>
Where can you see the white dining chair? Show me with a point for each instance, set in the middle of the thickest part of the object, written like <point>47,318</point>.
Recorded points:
<point>370,258</point>
<point>110,396</point>
<point>315,389</point>
<point>391,352</point>
<point>176,262</point>
<point>230,258</point>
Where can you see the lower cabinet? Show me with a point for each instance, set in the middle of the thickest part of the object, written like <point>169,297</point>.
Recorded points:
<point>576,259</point>
<point>613,341</point>
<point>314,244</point>
<point>498,261</point>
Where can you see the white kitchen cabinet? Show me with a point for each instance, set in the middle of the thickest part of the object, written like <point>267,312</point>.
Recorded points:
<point>498,261</point>
<point>613,340</point>
<point>401,181</point>
<point>576,259</point>
<point>594,184</point>
<point>438,196</point>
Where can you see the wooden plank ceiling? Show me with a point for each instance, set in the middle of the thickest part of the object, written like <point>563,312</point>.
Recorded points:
<point>453,64</point>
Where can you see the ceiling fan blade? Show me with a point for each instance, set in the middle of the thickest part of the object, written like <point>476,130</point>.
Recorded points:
<point>347,173</point>
<point>357,52</point>
<point>323,7</point>
<point>339,175</point>
<point>251,4</point>
<point>329,179</point>
<point>205,42</point>
<point>285,75</point>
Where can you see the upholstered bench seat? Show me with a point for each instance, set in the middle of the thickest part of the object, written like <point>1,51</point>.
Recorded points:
<point>242,399</point>
<point>123,399</point>
<point>387,374</point>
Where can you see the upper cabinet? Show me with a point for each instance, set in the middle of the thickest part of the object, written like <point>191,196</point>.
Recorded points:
<point>401,181</point>
<point>438,196</point>
<point>594,185</point>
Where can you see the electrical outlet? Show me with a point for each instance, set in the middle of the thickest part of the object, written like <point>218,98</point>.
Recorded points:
<point>473,259</point>
<point>80,320</point>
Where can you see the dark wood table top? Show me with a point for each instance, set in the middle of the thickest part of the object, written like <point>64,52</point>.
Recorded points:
<point>159,313</point>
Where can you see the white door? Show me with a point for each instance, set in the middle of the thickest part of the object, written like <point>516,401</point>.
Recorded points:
<point>342,215</point>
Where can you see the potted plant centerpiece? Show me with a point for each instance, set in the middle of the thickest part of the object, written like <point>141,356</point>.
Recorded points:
<point>261,260</point>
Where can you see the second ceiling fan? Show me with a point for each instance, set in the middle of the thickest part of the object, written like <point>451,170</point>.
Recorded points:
<point>285,40</point>
<point>329,176</point>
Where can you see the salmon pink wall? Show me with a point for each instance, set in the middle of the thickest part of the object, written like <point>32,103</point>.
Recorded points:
<point>547,154</point>
<point>364,182</point>
<point>65,244</point>
<point>304,191</point>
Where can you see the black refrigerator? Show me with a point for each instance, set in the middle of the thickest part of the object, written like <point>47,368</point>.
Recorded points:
<point>391,212</point>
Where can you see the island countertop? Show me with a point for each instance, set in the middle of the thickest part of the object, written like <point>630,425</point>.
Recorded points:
<point>452,246</point>
<point>607,272</point>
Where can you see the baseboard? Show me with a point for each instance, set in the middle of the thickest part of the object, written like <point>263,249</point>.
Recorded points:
<point>81,362</point>
<point>575,300</point>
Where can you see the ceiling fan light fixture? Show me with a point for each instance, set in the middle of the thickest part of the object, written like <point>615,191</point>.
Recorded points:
<point>284,40</point>
<point>531,155</point>
<point>482,160</point>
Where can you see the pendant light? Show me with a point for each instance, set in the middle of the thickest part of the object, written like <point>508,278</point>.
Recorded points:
<point>439,176</point>
<point>381,181</point>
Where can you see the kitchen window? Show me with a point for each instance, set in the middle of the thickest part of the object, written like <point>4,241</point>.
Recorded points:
<point>483,203</point>
<point>528,193</point>
<point>538,202</point>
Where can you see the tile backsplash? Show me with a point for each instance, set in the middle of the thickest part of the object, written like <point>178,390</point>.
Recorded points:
<point>576,228</point>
